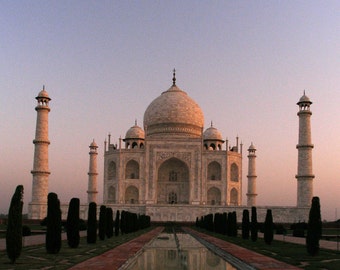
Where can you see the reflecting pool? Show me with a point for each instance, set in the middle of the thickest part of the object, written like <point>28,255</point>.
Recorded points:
<point>176,252</point>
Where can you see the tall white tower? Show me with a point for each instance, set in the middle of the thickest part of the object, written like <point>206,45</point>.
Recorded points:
<point>37,208</point>
<point>251,194</point>
<point>92,186</point>
<point>305,174</point>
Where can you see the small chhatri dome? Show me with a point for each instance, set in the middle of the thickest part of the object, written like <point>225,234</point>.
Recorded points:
<point>251,147</point>
<point>43,94</point>
<point>304,99</point>
<point>212,133</point>
<point>93,144</point>
<point>135,132</point>
<point>173,113</point>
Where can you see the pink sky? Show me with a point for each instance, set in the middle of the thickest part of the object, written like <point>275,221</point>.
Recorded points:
<point>246,63</point>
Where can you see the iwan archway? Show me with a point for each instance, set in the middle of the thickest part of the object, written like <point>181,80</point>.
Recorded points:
<point>173,182</point>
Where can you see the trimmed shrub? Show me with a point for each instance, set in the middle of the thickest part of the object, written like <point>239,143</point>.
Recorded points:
<point>14,225</point>
<point>314,229</point>
<point>102,222</point>
<point>92,224</point>
<point>109,222</point>
<point>72,223</point>
<point>268,228</point>
<point>254,225</point>
<point>26,231</point>
<point>117,223</point>
<point>53,230</point>
<point>245,224</point>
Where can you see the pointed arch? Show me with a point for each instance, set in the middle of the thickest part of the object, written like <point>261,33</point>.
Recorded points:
<point>132,170</point>
<point>214,171</point>
<point>111,195</point>
<point>234,172</point>
<point>173,178</point>
<point>214,196</point>
<point>234,196</point>
<point>132,195</point>
<point>112,171</point>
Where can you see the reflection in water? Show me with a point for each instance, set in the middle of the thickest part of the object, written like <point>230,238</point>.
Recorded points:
<point>162,253</point>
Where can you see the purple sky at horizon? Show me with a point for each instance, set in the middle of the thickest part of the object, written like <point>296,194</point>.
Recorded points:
<point>246,63</point>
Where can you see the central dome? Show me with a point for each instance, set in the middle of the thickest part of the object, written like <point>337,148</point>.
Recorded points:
<point>174,113</point>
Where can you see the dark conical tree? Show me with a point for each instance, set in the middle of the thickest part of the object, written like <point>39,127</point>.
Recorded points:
<point>72,223</point>
<point>117,223</point>
<point>245,224</point>
<point>102,222</point>
<point>53,230</point>
<point>230,224</point>
<point>92,224</point>
<point>109,222</point>
<point>268,228</point>
<point>224,223</point>
<point>253,225</point>
<point>314,229</point>
<point>14,225</point>
<point>123,222</point>
<point>234,224</point>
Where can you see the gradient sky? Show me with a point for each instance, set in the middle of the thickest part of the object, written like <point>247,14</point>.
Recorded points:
<point>246,63</point>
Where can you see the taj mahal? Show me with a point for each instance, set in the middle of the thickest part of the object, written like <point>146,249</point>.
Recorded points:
<point>172,168</point>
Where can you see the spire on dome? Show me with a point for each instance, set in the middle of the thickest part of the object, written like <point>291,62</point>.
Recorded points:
<point>174,77</point>
<point>211,123</point>
<point>135,122</point>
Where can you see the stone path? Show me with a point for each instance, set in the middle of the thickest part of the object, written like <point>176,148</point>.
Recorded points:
<point>252,258</point>
<point>115,258</point>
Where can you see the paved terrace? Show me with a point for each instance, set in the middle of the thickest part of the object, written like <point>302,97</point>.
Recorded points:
<point>116,257</point>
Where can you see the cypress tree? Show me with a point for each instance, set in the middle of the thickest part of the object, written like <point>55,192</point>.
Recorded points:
<point>253,226</point>
<point>102,222</point>
<point>123,222</point>
<point>245,224</point>
<point>234,224</point>
<point>314,229</point>
<point>229,224</point>
<point>53,230</point>
<point>268,228</point>
<point>14,225</point>
<point>92,224</point>
<point>224,223</point>
<point>72,223</point>
<point>117,223</point>
<point>109,222</point>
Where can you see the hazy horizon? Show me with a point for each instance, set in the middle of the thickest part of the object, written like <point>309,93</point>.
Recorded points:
<point>246,63</point>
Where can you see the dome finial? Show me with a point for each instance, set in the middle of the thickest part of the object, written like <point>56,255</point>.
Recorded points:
<point>211,123</point>
<point>174,77</point>
<point>135,122</point>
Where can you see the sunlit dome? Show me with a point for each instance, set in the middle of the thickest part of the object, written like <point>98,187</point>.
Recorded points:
<point>135,132</point>
<point>304,99</point>
<point>173,113</point>
<point>43,93</point>
<point>212,133</point>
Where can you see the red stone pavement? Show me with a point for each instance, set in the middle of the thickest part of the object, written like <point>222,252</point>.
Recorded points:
<point>252,258</point>
<point>115,258</point>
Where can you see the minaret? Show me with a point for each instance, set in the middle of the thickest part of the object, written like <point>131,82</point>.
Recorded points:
<point>305,174</point>
<point>37,208</point>
<point>92,186</point>
<point>251,194</point>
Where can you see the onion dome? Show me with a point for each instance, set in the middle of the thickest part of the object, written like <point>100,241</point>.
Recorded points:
<point>173,113</point>
<point>43,94</point>
<point>304,99</point>
<point>135,132</point>
<point>251,147</point>
<point>212,133</point>
<point>93,144</point>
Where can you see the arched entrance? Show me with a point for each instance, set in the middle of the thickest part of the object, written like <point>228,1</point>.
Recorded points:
<point>131,195</point>
<point>173,182</point>
<point>214,196</point>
